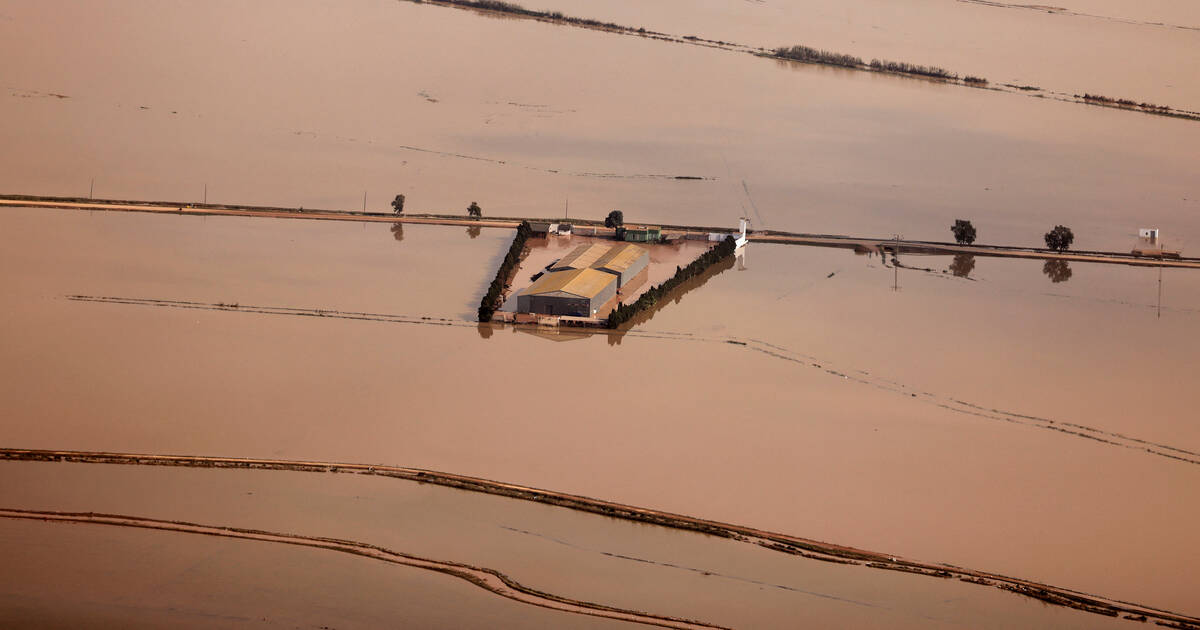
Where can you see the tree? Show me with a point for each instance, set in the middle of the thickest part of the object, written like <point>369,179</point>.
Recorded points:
<point>1057,270</point>
<point>398,204</point>
<point>964,232</point>
<point>1060,238</point>
<point>615,219</point>
<point>474,210</point>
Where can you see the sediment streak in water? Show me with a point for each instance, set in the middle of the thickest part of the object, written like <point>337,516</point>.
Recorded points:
<point>862,377</point>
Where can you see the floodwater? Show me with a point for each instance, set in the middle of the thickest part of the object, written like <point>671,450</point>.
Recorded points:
<point>566,553</point>
<point>1030,420</point>
<point>1145,51</point>
<point>672,417</point>
<point>94,576</point>
<point>162,101</point>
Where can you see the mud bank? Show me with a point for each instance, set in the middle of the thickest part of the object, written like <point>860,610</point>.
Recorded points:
<point>807,548</point>
<point>488,579</point>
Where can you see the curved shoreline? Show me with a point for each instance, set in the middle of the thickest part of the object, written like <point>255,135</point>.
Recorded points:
<point>808,548</point>
<point>490,580</point>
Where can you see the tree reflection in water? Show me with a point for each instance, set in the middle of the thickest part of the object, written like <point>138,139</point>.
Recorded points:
<point>398,231</point>
<point>963,265</point>
<point>474,231</point>
<point>485,330</point>
<point>1057,270</point>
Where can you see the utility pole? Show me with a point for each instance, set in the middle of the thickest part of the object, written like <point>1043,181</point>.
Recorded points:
<point>896,263</point>
<point>364,201</point>
<point>1160,291</point>
<point>206,194</point>
<point>91,188</point>
<point>567,209</point>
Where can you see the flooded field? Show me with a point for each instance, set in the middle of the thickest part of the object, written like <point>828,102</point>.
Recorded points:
<point>1028,418</point>
<point>1065,47</point>
<point>793,146</point>
<point>574,555</point>
<point>741,435</point>
<point>81,576</point>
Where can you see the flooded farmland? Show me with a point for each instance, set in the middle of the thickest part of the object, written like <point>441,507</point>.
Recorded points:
<point>1026,418</point>
<point>793,146</point>
<point>796,448</point>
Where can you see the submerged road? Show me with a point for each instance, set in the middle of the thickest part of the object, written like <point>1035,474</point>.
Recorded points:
<point>763,236</point>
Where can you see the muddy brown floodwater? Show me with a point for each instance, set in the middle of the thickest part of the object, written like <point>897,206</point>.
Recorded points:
<point>674,417</point>
<point>1027,419</point>
<point>162,101</point>
<point>566,553</point>
<point>1066,50</point>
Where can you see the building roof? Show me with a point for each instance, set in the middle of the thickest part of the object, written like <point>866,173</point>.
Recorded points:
<point>582,257</point>
<point>620,258</point>
<point>584,283</point>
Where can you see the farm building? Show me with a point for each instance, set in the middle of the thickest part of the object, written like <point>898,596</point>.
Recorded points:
<point>640,234</point>
<point>626,262</point>
<point>577,292</point>
<point>581,257</point>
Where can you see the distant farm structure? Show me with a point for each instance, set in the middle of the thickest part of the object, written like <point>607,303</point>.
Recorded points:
<point>582,283</point>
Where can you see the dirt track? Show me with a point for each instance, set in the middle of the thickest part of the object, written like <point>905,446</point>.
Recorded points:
<point>812,549</point>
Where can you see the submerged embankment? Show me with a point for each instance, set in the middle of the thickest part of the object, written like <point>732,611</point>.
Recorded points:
<point>811,549</point>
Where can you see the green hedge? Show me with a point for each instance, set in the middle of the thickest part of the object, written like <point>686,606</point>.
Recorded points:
<point>491,299</point>
<point>623,313</point>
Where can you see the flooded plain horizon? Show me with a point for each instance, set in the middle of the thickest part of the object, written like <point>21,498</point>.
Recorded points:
<point>793,146</point>
<point>1034,419</point>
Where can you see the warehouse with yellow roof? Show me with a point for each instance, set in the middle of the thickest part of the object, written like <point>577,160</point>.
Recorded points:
<point>581,283</point>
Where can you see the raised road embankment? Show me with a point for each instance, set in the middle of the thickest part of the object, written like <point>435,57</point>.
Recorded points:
<point>879,245</point>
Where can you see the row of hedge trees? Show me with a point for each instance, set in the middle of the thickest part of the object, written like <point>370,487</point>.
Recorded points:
<point>1058,239</point>
<point>491,299</point>
<point>623,313</point>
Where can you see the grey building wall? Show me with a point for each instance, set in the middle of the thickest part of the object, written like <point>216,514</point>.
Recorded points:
<point>565,304</point>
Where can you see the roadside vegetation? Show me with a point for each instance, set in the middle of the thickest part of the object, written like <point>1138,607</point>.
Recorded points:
<point>1060,238</point>
<point>623,313</point>
<point>812,55</point>
<point>398,204</point>
<point>1123,102</point>
<point>615,219</point>
<point>799,53</point>
<point>911,68</point>
<point>964,232</point>
<point>474,211</point>
<point>495,293</point>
